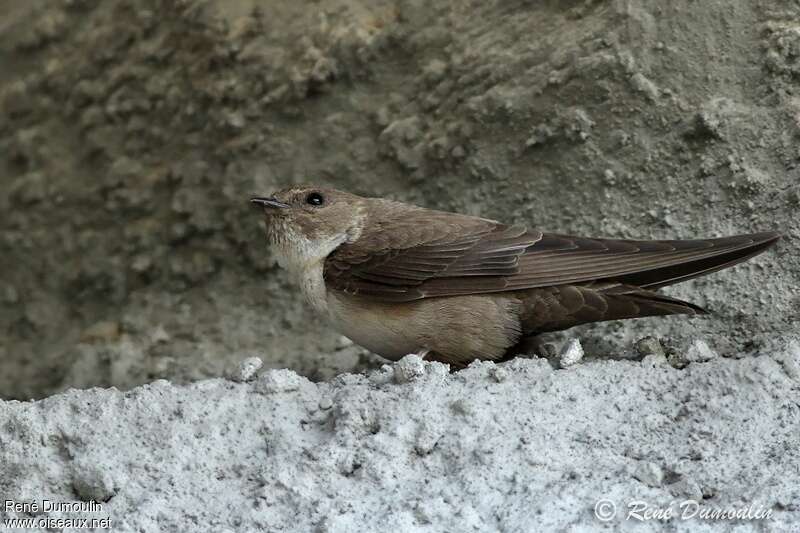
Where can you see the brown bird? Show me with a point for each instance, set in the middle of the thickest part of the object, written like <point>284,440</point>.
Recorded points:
<point>399,279</point>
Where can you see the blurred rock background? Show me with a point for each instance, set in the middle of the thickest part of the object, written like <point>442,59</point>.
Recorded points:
<point>132,133</point>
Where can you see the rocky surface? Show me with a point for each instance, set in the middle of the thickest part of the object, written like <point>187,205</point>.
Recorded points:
<point>514,447</point>
<point>132,134</point>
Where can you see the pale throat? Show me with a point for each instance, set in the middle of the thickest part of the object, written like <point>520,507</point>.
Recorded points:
<point>304,260</point>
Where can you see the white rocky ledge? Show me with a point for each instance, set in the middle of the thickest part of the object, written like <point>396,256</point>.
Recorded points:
<point>511,447</point>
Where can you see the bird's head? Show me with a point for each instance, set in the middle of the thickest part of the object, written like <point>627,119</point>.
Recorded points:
<point>305,224</point>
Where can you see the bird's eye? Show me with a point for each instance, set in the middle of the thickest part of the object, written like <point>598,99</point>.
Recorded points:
<point>315,198</point>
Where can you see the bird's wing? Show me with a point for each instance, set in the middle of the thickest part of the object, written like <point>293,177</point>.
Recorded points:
<point>423,254</point>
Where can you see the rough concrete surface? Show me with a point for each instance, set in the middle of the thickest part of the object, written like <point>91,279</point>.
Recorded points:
<point>515,447</point>
<point>132,133</point>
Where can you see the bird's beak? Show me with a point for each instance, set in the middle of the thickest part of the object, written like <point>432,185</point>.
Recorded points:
<point>268,202</point>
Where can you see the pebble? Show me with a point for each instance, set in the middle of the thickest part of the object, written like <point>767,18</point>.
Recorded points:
<point>649,346</point>
<point>698,352</point>
<point>282,380</point>
<point>499,374</point>
<point>571,353</point>
<point>247,369</point>
<point>409,368</point>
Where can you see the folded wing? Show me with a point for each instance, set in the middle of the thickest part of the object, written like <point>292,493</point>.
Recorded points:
<point>426,254</point>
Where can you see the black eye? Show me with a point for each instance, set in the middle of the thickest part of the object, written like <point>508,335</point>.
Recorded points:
<point>315,198</point>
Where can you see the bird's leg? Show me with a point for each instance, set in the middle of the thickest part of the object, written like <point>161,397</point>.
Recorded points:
<point>531,345</point>
<point>544,347</point>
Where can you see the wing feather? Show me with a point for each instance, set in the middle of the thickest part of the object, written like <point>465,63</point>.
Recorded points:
<point>419,253</point>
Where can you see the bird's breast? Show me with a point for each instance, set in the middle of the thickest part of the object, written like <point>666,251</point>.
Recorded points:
<point>304,265</point>
<point>312,286</point>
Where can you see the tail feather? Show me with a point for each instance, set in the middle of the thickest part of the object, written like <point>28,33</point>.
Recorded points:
<point>565,306</point>
<point>659,304</point>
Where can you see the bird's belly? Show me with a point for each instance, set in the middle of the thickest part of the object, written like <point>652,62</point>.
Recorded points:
<point>457,328</point>
<point>388,330</point>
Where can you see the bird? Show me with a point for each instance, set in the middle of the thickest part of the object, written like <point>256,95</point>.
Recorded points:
<point>400,279</point>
